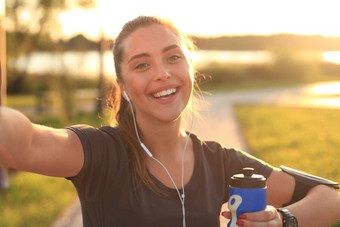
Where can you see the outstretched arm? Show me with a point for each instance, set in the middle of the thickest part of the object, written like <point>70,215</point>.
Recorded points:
<point>320,207</point>
<point>39,149</point>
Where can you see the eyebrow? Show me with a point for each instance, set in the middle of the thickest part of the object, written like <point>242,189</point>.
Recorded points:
<point>147,55</point>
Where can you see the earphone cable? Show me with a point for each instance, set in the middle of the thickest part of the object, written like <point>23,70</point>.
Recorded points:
<point>181,197</point>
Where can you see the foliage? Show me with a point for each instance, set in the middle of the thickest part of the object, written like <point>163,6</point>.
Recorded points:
<point>40,15</point>
<point>80,118</point>
<point>37,84</point>
<point>80,43</point>
<point>286,69</point>
<point>28,32</point>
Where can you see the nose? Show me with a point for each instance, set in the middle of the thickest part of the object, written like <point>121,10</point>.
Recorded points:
<point>162,73</point>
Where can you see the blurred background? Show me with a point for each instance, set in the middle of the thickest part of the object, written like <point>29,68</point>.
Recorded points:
<point>57,67</point>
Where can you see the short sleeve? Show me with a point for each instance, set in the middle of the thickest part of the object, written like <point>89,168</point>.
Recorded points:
<point>103,156</point>
<point>237,160</point>
<point>224,162</point>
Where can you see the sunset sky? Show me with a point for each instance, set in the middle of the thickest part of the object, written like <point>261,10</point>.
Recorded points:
<point>211,17</point>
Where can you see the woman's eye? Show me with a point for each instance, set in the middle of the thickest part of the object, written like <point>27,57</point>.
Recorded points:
<point>141,66</point>
<point>174,58</point>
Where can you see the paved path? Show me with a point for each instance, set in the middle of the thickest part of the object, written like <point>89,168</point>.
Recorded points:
<point>71,217</point>
<point>219,123</point>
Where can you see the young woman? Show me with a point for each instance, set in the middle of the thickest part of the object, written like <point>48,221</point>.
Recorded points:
<point>145,170</point>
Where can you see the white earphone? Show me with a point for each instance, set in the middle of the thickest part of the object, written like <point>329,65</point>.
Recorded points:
<point>126,96</point>
<point>134,121</point>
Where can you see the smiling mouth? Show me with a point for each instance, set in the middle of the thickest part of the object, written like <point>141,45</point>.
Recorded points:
<point>165,93</point>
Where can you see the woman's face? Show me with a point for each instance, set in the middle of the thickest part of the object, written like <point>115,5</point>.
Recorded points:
<point>156,73</point>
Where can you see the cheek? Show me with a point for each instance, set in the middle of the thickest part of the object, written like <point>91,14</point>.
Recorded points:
<point>131,80</point>
<point>187,74</point>
<point>136,84</point>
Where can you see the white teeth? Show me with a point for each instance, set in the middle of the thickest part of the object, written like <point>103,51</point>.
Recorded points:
<point>164,93</point>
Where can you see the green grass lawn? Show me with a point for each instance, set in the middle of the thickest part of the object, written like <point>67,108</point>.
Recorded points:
<point>300,138</point>
<point>15,101</point>
<point>34,200</point>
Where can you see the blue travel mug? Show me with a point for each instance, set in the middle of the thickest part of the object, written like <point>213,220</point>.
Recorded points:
<point>247,193</point>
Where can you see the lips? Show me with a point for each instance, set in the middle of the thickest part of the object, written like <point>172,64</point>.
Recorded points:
<point>164,93</point>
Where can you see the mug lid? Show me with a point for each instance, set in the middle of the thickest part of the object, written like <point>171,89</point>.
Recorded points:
<point>248,179</point>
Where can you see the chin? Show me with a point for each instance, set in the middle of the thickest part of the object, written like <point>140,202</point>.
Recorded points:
<point>171,117</point>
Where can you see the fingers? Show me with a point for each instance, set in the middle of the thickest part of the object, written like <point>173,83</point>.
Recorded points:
<point>226,214</point>
<point>268,214</point>
<point>267,217</point>
<point>271,223</point>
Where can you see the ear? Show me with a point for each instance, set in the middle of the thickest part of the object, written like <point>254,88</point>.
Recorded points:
<point>122,90</point>
<point>121,86</point>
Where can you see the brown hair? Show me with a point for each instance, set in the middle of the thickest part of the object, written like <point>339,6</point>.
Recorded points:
<point>121,116</point>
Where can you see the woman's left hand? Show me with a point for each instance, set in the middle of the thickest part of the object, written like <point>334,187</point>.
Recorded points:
<point>267,217</point>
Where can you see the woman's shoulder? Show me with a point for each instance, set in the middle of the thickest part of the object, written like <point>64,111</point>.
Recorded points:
<point>232,158</point>
<point>88,129</point>
<point>217,151</point>
<point>208,146</point>
<point>90,133</point>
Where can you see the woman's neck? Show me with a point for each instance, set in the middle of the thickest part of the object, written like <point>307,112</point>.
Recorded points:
<point>164,140</point>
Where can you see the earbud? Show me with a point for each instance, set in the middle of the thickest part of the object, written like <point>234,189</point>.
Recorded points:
<point>126,96</point>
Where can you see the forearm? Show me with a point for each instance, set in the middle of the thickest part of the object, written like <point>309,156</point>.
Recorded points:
<point>16,133</point>
<point>319,208</point>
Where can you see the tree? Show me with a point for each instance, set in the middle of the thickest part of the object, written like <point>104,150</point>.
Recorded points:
<point>29,24</point>
<point>3,171</point>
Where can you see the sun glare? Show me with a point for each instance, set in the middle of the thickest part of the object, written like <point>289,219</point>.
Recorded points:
<point>326,89</point>
<point>332,56</point>
<point>213,18</point>
<point>25,16</point>
<point>80,21</point>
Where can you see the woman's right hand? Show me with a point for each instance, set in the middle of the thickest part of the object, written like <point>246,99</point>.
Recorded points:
<point>36,148</point>
<point>267,217</point>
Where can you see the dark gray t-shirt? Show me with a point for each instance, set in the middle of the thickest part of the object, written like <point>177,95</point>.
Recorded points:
<point>108,199</point>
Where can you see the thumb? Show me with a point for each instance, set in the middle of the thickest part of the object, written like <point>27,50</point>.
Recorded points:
<point>226,214</point>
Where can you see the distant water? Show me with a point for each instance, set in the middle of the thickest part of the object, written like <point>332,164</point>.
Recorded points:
<point>71,63</point>
<point>203,57</point>
<point>87,63</point>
